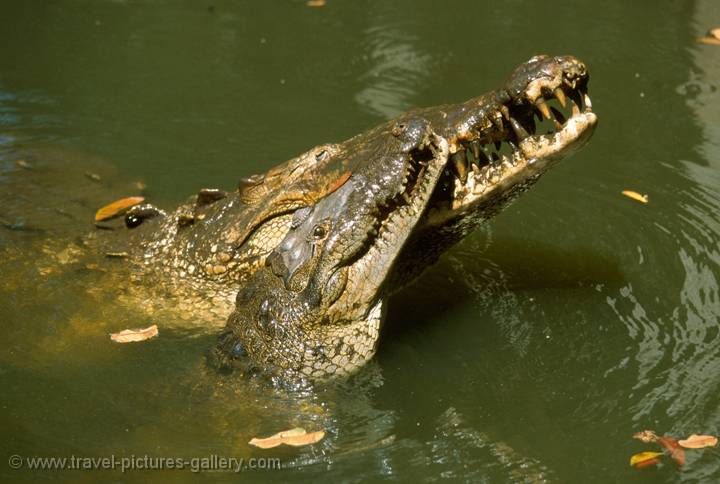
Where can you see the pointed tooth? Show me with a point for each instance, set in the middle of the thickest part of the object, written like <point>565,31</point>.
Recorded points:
<point>588,104</point>
<point>575,109</point>
<point>560,95</point>
<point>475,147</point>
<point>497,121</point>
<point>460,164</point>
<point>540,103</point>
<point>475,169</point>
<point>505,112</point>
<point>519,130</point>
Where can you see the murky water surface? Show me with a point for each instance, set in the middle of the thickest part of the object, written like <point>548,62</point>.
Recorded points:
<point>530,353</point>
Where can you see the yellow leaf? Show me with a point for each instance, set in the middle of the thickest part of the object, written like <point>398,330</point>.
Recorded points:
<point>315,3</point>
<point>134,335</point>
<point>708,40</point>
<point>715,33</point>
<point>644,456</point>
<point>699,441</point>
<point>116,208</point>
<point>295,437</point>
<point>635,196</point>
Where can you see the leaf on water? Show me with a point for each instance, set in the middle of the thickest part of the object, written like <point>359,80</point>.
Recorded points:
<point>116,208</point>
<point>635,196</point>
<point>645,459</point>
<point>339,182</point>
<point>315,3</point>
<point>134,335</point>
<point>708,40</point>
<point>673,448</point>
<point>295,437</point>
<point>699,441</point>
<point>646,436</point>
<point>715,32</point>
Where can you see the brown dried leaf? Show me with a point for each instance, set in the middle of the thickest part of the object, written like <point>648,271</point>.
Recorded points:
<point>116,208</point>
<point>645,459</point>
<point>673,448</point>
<point>315,3</point>
<point>708,40</point>
<point>699,441</point>
<point>635,196</point>
<point>295,437</point>
<point>646,436</point>
<point>134,335</point>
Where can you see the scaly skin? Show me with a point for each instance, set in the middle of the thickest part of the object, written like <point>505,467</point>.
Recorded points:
<point>314,310</point>
<point>389,202</point>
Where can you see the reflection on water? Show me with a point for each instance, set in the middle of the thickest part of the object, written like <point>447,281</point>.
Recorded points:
<point>395,66</point>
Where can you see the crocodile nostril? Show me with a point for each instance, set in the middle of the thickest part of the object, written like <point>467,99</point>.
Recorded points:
<point>398,129</point>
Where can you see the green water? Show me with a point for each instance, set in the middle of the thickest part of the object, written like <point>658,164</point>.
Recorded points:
<point>531,353</point>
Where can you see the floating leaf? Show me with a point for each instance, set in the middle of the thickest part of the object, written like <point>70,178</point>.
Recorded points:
<point>643,459</point>
<point>708,40</point>
<point>635,196</point>
<point>714,33</point>
<point>295,437</point>
<point>315,3</point>
<point>699,441</point>
<point>134,335</point>
<point>673,448</point>
<point>116,208</point>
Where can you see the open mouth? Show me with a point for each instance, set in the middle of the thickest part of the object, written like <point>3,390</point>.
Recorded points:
<point>407,199</point>
<point>517,138</point>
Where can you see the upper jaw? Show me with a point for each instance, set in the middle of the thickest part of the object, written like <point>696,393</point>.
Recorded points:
<point>511,135</point>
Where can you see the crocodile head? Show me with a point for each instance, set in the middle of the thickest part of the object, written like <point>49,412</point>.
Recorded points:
<point>418,184</point>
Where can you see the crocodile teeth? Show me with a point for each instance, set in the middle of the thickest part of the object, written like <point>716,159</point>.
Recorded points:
<point>497,121</point>
<point>588,104</point>
<point>560,95</point>
<point>505,112</point>
<point>519,130</point>
<point>540,104</point>
<point>475,147</point>
<point>460,164</point>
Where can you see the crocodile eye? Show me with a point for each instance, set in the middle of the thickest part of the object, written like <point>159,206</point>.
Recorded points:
<point>319,232</point>
<point>321,155</point>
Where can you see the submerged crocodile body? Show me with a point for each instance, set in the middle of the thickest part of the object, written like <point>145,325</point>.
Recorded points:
<point>299,261</point>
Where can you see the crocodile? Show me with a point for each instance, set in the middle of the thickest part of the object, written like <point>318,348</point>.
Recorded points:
<point>295,265</point>
<point>313,310</point>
